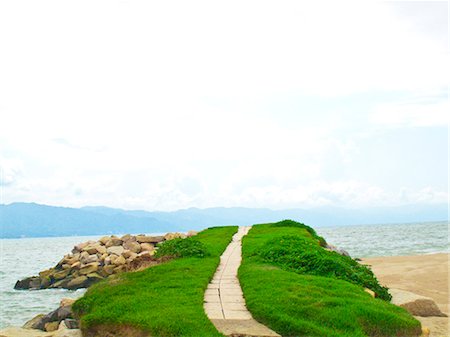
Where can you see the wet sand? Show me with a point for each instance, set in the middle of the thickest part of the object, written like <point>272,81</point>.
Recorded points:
<point>425,275</point>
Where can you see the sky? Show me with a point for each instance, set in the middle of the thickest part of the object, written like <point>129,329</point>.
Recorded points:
<point>173,104</point>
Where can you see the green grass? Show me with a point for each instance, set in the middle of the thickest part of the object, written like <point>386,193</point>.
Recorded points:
<point>176,248</point>
<point>165,300</point>
<point>313,293</point>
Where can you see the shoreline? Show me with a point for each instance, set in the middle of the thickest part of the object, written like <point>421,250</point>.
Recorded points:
<point>425,275</point>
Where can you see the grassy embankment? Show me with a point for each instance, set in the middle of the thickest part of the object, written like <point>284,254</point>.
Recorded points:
<point>164,300</point>
<point>297,288</point>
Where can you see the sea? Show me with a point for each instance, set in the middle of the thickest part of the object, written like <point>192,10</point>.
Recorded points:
<point>20,258</point>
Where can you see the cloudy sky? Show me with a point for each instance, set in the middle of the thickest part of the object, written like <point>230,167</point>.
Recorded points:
<point>174,104</point>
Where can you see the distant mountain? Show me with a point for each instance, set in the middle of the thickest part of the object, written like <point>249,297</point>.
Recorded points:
<point>31,220</point>
<point>34,220</point>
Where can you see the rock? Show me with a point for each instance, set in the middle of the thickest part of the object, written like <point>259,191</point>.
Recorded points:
<point>335,249</point>
<point>415,304</point>
<point>76,265</point>
<point>171,236</point>
<point>91,249</point>
<point>146,253</point>
<point>371,292</point>
<point>79,247</point>
<point>64,312</point>
<point>33,322</point>
<point>33,282</point>
<point>67,333</point>
<point>149,239</point>
<point>117,250</point>
<point>119,261</point>
<point>107,260</point>
<point>113,241</point>
<point>119,269</point>
<point>93,278</point>
<point>191,233</point>
<point>104,240</point>
<point>61,274</point>
<point>425,331</point>
<point>72,259</point>
<point>66,302</point>
<point>131,257</point>
<point>61,283</point>
<point>89,259</point>
<point>66,266</point>
<point>147,247</point>
<point>101,249</point>
<point>51,326</point>
<point>108,270</point>
<point>126,253</point>
<point>45,282</point>
<point>78,282</point>
<point>132,246</point>
<point>71,323</point>
<point>83,256</point>
<point>46,273</point>
<point>128,237</point>
<point>89,268</point>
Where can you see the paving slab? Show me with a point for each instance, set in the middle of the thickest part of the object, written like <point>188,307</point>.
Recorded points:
<point>224,301</point>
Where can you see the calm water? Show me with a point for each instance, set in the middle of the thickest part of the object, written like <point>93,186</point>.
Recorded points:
<point>26,257</point>
<point>389,240</point>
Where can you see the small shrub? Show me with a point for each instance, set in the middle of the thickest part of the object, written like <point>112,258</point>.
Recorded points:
<point>177,248</point>
<point>304,256</point>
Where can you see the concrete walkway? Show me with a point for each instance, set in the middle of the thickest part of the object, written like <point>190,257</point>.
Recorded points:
<point>224,301</point>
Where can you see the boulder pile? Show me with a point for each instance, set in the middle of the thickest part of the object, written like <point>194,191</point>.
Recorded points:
<point>93,261</point>
<point>54,320</point>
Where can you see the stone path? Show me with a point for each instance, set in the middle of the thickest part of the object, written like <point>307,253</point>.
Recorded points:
<point>224,301</point>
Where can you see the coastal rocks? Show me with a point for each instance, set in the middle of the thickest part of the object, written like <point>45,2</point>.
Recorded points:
<point>33,322</point>
<point>52,320</point>
<point>91,261</point>
<point>58,323</point>
<point>149,239</point>
<point>335,249</point>
<point>415,304</point>
<point>191,233</point>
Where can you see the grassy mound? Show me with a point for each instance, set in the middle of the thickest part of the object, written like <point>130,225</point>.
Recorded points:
<point>304,256</point>
<point>297,288</point>
<point>165,300</point>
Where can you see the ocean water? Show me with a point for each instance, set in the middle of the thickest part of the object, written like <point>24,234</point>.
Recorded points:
<point>20,258</point>
<point>389,239</point>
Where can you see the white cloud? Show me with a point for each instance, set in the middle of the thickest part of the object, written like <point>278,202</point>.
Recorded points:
<point>110,102</point>
<point>419,114</point>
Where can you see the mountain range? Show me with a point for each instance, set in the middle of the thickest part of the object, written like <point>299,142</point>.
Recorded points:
<point>36,220</point>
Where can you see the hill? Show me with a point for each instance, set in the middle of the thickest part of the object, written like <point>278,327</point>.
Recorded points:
<point>35,220</point>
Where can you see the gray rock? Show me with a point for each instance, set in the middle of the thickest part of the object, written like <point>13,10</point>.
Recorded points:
<point>78,282</point>
<point>71,323</point>
<point>335,249</point>
<point>33,322</point>
<point>149,239</point>
<point>33,282</point>
<point>415,304</point>
<point>117,250</point>
<point>113,241</point>
<point>132,246</point>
